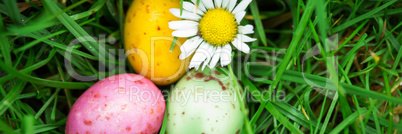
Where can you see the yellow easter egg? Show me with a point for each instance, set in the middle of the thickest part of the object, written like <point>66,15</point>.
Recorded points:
<point>148,39</point>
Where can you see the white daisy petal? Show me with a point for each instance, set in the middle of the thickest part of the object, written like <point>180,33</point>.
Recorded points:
<point>215,58</point>
<point>200,5</point>
<point>232,4</point>
<point>185,14</point>
<point>239,16</point>
<point>204,48</point>
<point>185,48</point>
<point>211,50</point>
<point>241,6</point>
<point>196,61</point>
<point>241,46</point>
<point>183,24</point>
<point>196,41</point>
<point>245,38</point>
<point>192,48</point>
<point>205,63</point>
<point>225,3</point>
<point>200,55</point>
<point>226,55</point>
<point>185,32</point>
<point>218,3</point>
<point>208,4</point>
<point>191,8</point>
<point>184,55</point>
<point>248,29</point>
<point>196,67</point>
<point>189,47</point>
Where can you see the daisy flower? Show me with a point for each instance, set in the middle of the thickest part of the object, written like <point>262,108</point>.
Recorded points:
<point>212,27</point>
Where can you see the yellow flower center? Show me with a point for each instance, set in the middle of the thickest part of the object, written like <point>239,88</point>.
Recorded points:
<point>218,27</point>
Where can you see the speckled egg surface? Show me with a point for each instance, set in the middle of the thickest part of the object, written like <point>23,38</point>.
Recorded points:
<point>204,102</point>
<point>148,38</point>
<point>124,103</point>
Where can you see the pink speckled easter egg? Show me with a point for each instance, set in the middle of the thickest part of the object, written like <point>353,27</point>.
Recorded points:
<point>124,103</point>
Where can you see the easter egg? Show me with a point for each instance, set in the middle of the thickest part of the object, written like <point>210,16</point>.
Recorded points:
<point>124,103</point>
<point>148,39</point>
<point>204,102</point>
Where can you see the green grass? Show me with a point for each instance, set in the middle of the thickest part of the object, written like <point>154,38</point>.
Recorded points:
<point>350,84</point>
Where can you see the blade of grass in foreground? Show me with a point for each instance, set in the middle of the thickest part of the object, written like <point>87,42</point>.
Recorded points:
<point>121,19</point>
<point>28,124</point>
<point>90,43</point>
<point>4,44</point>
<point>376,122</point>
<point>362,17</point>
<point>46,104</point>
<point>258,23</point>
<point>321,82</point>
<point>247,124</point>
<point>283,108</point>
<point>347,121</point>
<point>44,82</point>
<point>17,88</point>
<point>31,67</point>
<point>41,128</point>
<point>163,128</point>
<point>5,128</point>
<point>13,11</point>
<point>282,66</point>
